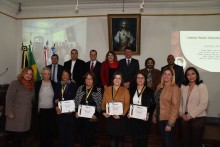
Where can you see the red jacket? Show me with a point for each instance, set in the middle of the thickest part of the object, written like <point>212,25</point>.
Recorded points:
<point>105,71</point>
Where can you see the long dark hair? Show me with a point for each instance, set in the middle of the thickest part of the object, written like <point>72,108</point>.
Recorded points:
<point>186,81</point>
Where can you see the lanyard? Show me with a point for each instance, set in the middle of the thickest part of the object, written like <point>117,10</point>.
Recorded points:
<point>114,92</point>
<point>142,90</point>
<point>88,95</point>
<point>62,90</point>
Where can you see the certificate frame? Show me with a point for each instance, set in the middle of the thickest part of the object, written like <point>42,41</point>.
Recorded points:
<point>67,106</point>
<point>86,111</point>
<point>114,108</point>
<point>138,112</point>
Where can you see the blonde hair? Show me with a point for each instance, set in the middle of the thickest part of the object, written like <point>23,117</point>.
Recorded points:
<point>173,82</point>
<point>23,71</point>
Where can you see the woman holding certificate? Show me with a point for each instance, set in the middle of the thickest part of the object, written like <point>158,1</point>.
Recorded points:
<point>194,102</point>
<point>115,105</point>
<point>167,98</point>
<point>141,111</point>
<point>65,106</point>
<point>88,102</point>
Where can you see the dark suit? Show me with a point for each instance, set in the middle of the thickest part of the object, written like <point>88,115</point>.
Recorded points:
<point>156,76</point>
<point>78,71</point>
<point>96,71</point>
<point>66,121</point>
<point>59,71</point>
<point>130,71</point>
<point>179,74</point>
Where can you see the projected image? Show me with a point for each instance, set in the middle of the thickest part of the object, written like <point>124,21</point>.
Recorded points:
<point>197,48</point>
<point>58,36</point>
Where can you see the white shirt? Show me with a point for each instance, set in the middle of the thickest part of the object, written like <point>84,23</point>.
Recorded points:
<point>136,99</point>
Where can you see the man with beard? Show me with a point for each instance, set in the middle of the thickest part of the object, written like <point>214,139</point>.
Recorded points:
<point>152,74</point>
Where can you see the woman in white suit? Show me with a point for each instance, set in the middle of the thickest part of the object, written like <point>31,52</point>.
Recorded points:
<point>194,102</point>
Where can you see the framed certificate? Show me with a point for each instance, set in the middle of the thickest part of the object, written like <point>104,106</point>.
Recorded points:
<point>114,108</point>
<point>67,106</point>
<point>138,112</point>
<point>86,111</point>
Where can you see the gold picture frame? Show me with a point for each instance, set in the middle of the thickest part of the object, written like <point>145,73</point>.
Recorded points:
<point>123,32</point>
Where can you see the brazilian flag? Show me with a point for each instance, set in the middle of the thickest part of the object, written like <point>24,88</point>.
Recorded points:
<point>32,64</point>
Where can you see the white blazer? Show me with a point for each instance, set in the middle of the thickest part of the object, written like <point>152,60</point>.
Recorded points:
<point>198,100</point>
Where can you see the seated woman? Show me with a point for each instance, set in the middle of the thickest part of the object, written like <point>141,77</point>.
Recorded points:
<point>88,94</point>
<point>143,96</point>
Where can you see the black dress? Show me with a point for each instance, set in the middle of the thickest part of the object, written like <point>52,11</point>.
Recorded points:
<point>88,126</point>
<point>140,129</point>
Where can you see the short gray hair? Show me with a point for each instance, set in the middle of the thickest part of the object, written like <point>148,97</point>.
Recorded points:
<point>43,69</point>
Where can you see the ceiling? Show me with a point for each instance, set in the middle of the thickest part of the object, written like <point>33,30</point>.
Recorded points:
<point>62,2</point>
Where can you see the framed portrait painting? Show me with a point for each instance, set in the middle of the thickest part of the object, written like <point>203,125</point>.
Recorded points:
<point>124,32</point>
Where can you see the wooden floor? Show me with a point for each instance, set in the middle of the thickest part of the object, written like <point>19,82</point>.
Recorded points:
<point>211,138</point>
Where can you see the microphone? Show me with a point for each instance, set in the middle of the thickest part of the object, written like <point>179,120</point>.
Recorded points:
<point>4,72</point>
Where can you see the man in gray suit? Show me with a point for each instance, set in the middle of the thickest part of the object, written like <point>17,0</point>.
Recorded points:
<point>129,67</point>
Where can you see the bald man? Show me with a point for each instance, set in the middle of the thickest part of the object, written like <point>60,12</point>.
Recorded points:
<point>179,74</point>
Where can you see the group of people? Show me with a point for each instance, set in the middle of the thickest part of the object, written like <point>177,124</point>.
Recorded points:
<point>168,94</point>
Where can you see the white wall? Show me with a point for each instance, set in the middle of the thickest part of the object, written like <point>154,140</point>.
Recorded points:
<point>8,49</point>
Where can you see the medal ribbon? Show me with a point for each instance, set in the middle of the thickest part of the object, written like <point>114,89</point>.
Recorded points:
<point>89,93</point>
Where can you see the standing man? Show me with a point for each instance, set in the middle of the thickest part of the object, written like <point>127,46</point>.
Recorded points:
<point>55,68</point>
<point>128,67</point>
<point>179,74</point>
<point>152,74</point>
<point>94,65</point>
<point>76,67</point>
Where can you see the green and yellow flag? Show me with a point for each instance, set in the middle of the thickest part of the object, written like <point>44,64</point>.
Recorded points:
<point>32,64</point>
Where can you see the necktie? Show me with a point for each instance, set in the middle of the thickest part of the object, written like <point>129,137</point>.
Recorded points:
<point>149,77</point>
<point>128,62</point>
<point>54,70</point>
<point>92,66</point>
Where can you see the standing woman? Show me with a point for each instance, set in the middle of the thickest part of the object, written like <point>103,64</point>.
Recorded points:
<point>66,90</point>
<point>88,94</point>
<point>19,98</point>
<point>141,95</point>
<point>167,98</point>
<point>44,107</point>
<point>194,102</point>
<point>108,68</point>
<point>116,124</point>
